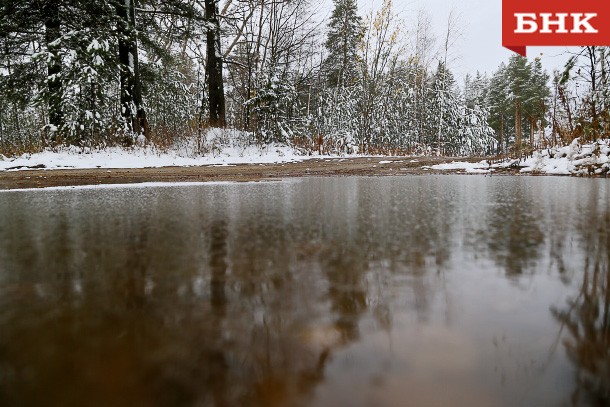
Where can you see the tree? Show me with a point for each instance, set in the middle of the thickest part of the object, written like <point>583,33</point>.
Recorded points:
<point>422,54</point>
<point>589,68</point>
<point>52,42</point>
<point>345,31</point>
<point>132,108</point>
<point>279,72</point>
<point>518,95</point>
<point>499,105</point>
<point>382,51</point>
<point>216,96</point>
<point>451,37</point>
<point>475,90</point>
<point>562,125</point>
<point>102,72</point>
<point>445,106</point>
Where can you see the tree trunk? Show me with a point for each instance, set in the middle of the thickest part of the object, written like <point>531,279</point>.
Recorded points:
<point>216,96</point>
<point>604,78</point>
<point>518,125</point>
<point>541,121</point>
<point>593,75</point>
<point>501,133</point>
<point>532,129</point>
<point>566,105</point>
<point>132,108</point>
<point>52,36</point>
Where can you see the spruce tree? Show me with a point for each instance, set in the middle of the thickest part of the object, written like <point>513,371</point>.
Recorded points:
<point>444,108</point>
<point>475,90</point>
<point>345,32</point>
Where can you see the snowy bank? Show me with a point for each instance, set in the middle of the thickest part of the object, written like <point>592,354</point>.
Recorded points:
<point>221,147</point>
<point>575,159</point>
<point>142,157</point>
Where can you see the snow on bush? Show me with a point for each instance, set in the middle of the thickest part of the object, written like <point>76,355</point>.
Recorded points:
<point>576,159</point>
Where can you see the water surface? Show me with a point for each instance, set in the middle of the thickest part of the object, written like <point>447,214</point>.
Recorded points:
<point>397,291</point>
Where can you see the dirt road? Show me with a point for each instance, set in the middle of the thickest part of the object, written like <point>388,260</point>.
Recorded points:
<point>362,166</point>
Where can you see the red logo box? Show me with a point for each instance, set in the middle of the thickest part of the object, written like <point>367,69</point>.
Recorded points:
<point>554,22</point>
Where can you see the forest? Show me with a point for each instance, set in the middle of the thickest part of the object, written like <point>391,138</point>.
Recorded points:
<point>100,73</point>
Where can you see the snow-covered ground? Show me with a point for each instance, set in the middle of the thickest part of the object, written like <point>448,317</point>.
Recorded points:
<point>575,159</point>
<point>229,147</point>
<point>222,147</point>
<point>141,157</point>
<point>474,168</point>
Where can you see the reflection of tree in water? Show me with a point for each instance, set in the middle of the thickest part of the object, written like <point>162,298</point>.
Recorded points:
<point>133,276</point>
<point>587,317</point>
<point>512,229</point>
<point>218,265</point>
<point>168,311</point>
<point>213,358</point>
<point>274,285</point>
<point>347,292</point>
<point>406,233</point>
<point>206,298</point>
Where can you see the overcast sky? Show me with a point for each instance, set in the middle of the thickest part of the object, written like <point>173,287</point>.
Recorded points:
<point>480,48</point>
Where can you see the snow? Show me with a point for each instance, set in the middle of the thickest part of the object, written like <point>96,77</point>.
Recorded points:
<point>475,168</point>
<point>132,185</point>
<point>231,147</point>
<point>575,159</point>
<point>143,157</point>
<point>221,147</point>
<point>94,45</point>
<point>545,165</point>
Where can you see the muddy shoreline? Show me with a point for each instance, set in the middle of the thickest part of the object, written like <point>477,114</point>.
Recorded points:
<point>326,167</point>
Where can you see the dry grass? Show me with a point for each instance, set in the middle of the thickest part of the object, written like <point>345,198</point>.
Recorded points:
<point>15,148</point>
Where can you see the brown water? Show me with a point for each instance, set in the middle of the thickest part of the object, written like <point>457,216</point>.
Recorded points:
<point>400,291</point>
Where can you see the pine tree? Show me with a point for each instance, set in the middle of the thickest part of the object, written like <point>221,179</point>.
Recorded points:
<point>216,96</point>
<point>518,95</point>
<point>344,35</point>
<point>132,108</point>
